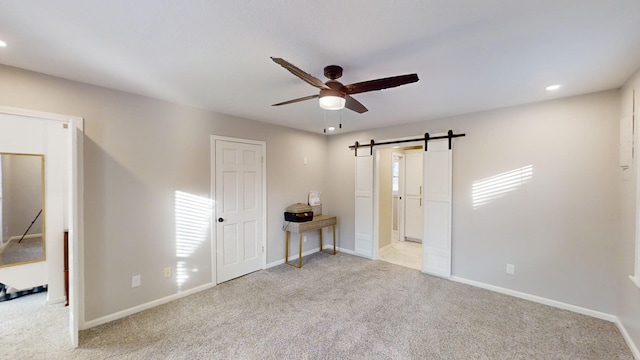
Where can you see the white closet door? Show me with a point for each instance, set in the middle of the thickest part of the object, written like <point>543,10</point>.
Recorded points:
<point>364,206</point>
<point>413,215</point>
<point>413,218</point>
<point>413,179</point>
<point>436,244</point>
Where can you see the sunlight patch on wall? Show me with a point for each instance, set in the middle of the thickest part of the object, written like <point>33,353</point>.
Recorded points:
<point>486,190</point>
<point>193,222</point>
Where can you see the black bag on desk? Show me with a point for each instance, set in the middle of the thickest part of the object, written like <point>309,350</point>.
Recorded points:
<point>298,213</point>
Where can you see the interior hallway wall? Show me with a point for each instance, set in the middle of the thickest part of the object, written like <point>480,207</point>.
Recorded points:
<point>138,152</point>
<point>628,292</point>
<point>558,227</point>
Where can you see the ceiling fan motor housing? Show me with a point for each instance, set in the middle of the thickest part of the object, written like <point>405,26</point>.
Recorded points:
<point>335,89</point>
<point>333,72</point>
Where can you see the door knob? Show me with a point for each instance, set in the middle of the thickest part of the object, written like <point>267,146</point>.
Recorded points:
<point>220,219</point>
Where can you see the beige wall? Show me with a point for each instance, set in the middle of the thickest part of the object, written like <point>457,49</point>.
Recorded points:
<point>558,229</point>
<point>138,152</point>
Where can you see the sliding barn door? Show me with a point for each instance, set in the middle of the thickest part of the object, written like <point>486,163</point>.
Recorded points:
<point>436,244</point>
<point>364,206</point>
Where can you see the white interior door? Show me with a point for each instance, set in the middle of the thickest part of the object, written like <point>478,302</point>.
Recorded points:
<point>413,195</point>
<point>239,208</point>
<point>364,206</point>
<point>436,244</point>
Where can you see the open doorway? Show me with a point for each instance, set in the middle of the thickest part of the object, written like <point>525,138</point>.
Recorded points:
<point>400,224</point>
<point>436,201</point>
<point>57,140</point>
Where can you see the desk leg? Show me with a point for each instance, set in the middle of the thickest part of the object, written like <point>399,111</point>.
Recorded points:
<point>334,239</point>
<point>334,242</point>
<point>300,253</point>
<point>286,251</point>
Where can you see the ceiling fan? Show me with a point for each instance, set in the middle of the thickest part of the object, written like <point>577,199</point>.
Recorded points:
<point>335,96</point>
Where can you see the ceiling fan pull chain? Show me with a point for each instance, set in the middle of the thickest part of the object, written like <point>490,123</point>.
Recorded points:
<point>324,120</point>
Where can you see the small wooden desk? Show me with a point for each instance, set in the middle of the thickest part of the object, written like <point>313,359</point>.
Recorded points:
<point>317,223</point>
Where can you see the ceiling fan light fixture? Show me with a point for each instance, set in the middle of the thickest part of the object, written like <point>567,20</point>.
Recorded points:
<point>332,102</point>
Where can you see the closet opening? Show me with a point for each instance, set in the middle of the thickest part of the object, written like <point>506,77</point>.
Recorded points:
<point>400,224</point>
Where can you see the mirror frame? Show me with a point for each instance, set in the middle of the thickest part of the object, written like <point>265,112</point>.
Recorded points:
<point>43,214</point>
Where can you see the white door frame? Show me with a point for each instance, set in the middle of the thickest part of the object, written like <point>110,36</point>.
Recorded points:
<point>376,187</point>
<point>214,240</point>
<point>75,175</point>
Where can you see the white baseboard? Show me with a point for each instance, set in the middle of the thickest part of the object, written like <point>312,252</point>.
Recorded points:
<point>18,237</point>
<point>56,301</point>
<point>346,251</point>
<point>628,340</point>
<point>538,299</point>
<point>142,307</point>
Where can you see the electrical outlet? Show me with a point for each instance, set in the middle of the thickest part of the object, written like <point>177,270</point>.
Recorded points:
<point>511,269</point>
<point>167,272</point>
<point>304,238</point>
<point>136,280</point>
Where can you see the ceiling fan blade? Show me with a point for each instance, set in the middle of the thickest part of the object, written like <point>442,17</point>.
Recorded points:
<point>310,79</point>
<point>355,105</point>
<point>296,100</point>
<point>380,84</point>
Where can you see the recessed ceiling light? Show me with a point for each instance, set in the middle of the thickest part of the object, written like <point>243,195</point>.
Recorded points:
<point>553,87</point>
<point>3,44</point>
<point>331,128</point>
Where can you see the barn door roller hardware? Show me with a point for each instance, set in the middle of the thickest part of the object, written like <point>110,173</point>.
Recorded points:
<point>450,135</point>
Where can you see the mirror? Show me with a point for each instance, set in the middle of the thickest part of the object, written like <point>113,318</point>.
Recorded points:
<point>22,208</point>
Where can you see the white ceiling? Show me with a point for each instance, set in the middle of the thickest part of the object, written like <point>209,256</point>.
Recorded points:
<point>470,55</point>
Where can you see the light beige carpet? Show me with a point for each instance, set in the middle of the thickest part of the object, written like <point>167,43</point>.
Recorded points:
<point>338,307</point>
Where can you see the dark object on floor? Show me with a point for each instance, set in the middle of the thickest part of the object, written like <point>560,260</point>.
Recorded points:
<point>17,294</point>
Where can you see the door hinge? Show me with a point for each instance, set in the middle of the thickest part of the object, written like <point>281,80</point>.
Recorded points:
<point>263,249</point>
